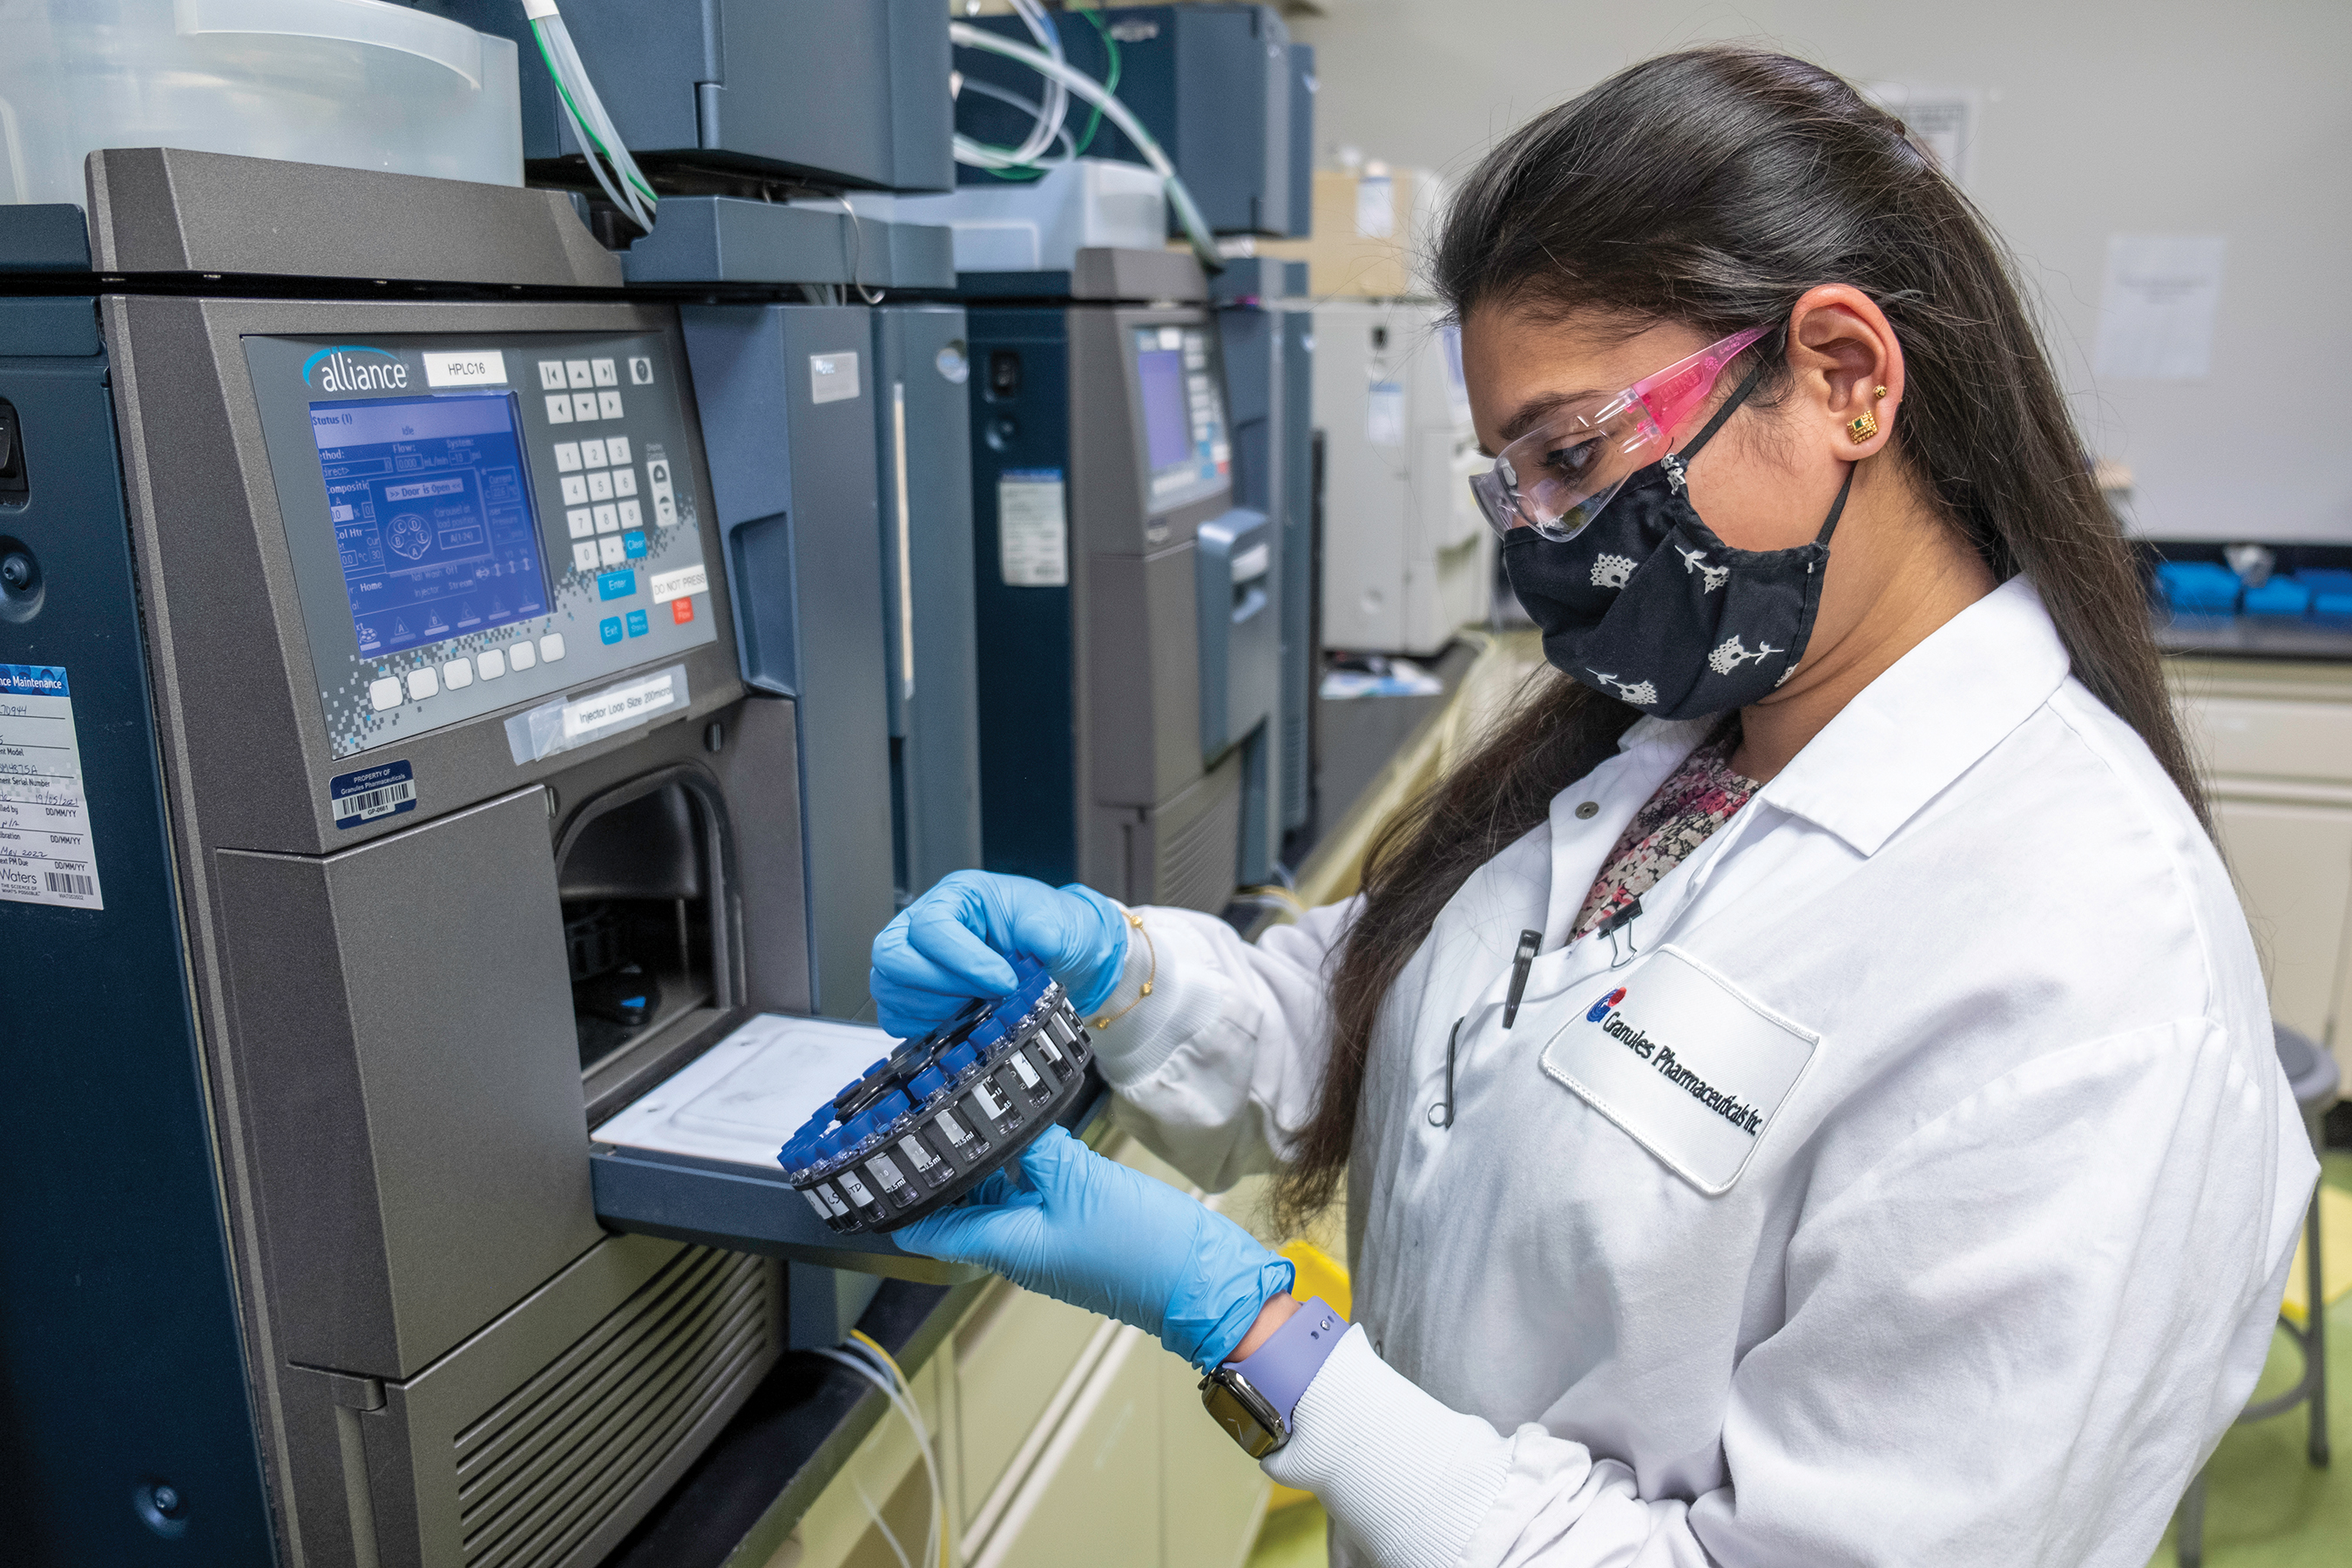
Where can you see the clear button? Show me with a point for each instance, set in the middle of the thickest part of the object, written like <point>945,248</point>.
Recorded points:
<point>422,684</point>
<point>491,663</point>
<point>457,674</point>
<point>521,656</point>
<point>551,647</point>
<point>384,693</point>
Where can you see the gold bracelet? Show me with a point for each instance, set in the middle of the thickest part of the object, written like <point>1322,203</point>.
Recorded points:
<point>1108,1019</point>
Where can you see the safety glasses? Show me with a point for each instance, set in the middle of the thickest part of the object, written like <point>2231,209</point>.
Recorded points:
<point>1558,477</point>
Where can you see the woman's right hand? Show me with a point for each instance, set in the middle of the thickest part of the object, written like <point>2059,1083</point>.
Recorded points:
<point>949,946</point>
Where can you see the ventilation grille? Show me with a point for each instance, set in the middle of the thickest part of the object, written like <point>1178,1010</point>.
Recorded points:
<point>1200,858</point>
<point>551,1462</point>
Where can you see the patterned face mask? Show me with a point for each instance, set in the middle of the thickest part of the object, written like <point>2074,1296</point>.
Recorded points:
<point>1647,605</point>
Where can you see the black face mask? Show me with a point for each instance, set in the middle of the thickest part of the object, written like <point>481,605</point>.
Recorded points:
<point>1648,605</point>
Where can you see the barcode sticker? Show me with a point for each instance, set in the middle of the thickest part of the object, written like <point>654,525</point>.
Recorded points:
<point>46,856</point>
<point>383,790</point>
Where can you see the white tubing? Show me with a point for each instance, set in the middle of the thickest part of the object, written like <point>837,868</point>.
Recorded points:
<point>934,1550</point>
<point>1050,114</point>
<point>599,144</point>
<point>1180,200</point>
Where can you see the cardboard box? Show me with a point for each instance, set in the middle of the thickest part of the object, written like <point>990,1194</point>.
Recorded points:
<point>1373,233</point>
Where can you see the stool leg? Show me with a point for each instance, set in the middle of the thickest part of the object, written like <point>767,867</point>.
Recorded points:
<point>2314,1336</point>
<point>2191,1542</point>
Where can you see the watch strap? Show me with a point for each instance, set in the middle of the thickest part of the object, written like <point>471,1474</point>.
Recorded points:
<point>1281,1368</point>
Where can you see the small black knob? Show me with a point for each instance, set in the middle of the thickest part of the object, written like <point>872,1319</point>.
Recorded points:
<point>16,572</point>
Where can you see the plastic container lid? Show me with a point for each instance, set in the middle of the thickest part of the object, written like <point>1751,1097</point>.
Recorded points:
<point>358,84</point>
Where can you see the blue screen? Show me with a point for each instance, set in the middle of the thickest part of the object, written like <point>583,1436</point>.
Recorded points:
<point>432,512</point>
<point>1167,433</point>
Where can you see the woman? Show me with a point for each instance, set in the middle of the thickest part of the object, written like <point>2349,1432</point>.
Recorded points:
<point>1874,1150</point>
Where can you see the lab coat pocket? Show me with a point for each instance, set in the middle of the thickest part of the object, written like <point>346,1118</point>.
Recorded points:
<point>1683,1062</point>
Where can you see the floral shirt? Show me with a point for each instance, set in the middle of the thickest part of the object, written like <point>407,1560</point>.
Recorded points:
<point>1696,798</point>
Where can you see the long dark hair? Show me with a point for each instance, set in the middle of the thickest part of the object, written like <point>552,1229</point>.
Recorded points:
<point>1713,188</point>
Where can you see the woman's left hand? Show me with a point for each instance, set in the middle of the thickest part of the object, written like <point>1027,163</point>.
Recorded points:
<point>1098,1235</point>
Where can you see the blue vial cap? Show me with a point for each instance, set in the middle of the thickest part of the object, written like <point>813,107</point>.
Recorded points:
<point>960,1059</point>
<point>927,1083</point>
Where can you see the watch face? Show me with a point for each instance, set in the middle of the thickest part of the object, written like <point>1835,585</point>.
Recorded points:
<point>1258,1435</point>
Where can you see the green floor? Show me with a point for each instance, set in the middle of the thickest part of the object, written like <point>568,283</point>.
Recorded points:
<point>2266,1508</point>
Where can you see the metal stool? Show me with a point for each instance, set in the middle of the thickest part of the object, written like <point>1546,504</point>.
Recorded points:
<point>2311,1073</point>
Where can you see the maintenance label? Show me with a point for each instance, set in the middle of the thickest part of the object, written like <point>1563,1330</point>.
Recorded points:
<point>46,853</point>
<point>385,790</point>
<point>1033,531</point>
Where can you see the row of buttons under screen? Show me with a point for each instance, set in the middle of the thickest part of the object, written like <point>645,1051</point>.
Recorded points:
<point>390,691</point>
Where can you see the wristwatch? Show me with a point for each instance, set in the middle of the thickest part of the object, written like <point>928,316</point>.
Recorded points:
<point>1252,1398</point>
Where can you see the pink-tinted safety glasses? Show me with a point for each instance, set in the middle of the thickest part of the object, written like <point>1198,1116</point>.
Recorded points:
<point>1558,477</point>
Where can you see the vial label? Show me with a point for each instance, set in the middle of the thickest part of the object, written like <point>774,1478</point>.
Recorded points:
<point>1045,1044</point>
<point>832,1200</point>
<point>817,1204</point>
<point>955,1130</point>
<point>886,1172</point>
<point>1028,1074</point>
<point>856,1190</point>
<point>917,1155</point>
<point>987,1101</point>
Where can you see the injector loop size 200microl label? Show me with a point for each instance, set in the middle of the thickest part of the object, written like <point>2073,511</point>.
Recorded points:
<point>46,856</point>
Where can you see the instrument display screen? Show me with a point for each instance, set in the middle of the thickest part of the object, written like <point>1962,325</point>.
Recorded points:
<point>430,502</point>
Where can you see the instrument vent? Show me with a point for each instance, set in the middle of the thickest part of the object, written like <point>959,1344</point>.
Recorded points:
<point>545,1467</point>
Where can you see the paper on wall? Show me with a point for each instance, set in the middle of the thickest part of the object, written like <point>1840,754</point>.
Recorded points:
<point>1941,119</point>
<point>2157,307</point>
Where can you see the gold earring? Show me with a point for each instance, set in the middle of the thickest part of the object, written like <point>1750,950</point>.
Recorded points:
<point>1863,427</point>
<point>1878,391</point>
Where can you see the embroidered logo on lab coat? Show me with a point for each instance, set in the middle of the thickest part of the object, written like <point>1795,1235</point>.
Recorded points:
<point>1688,1064</point>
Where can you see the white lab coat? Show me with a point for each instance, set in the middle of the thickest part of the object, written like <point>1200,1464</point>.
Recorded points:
<point>1995,1276</point>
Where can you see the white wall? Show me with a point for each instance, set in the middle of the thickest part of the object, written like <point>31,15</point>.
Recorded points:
<point>2157,117</point>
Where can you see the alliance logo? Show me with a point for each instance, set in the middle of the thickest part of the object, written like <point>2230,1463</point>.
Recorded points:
<point>1599,1009</point>
<point>336,371</point>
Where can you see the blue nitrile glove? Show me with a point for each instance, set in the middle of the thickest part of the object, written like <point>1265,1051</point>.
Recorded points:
<point>1098,1235</point>
<point>946,947</point>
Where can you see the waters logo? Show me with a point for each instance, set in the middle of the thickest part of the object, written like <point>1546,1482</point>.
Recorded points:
<point>335,370</point>
<point>1599,1009</point>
